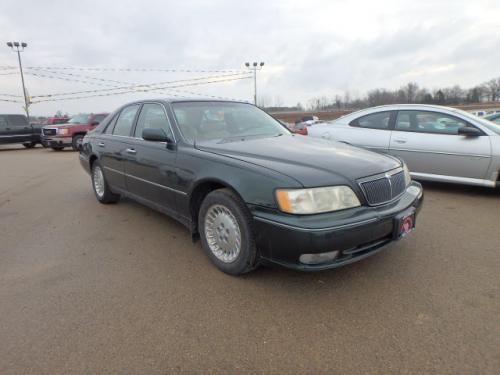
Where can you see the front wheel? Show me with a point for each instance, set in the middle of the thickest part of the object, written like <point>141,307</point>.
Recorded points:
<point>77,142</point>
<point>225,227</point>
<point>57,148</point>
<point>101,189</point>
<point>29,144</point>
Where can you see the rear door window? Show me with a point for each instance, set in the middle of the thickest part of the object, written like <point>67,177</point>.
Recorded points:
<point>125,121</point>
<point>17,121</point>
<point>379,120</point>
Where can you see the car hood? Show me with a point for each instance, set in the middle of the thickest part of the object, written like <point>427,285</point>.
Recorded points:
<point>310,161</point>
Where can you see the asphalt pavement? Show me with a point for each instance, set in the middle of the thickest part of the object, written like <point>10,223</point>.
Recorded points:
<point>87,288</point>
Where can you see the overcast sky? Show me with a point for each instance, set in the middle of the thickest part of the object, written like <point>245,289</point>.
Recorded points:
<point>310,48</point>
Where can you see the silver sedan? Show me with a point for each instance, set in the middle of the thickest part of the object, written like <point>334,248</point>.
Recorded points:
<point>437,143</point>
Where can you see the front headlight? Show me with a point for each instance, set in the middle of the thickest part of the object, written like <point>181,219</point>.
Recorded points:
<point>407,174</point>
<point>62,131</point>
<point>316,200</point>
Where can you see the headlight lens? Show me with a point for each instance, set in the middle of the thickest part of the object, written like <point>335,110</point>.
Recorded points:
<point>407,174</point>
<point>316,200</point>
<point>62,131</point>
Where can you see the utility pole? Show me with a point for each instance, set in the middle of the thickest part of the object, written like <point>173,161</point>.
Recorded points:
<point>19,47</point>
<point>255,66</point>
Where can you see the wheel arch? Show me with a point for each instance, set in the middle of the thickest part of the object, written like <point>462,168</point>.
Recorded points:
<point>198,194</point>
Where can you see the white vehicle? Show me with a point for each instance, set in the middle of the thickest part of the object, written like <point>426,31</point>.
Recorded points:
<point>438,143</point>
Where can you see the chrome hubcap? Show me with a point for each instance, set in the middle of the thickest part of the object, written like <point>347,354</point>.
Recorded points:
<point>222,233</point>
<point>98,181</point>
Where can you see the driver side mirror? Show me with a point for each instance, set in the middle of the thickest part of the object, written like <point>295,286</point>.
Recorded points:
<point>94,123</point>
<point>155,135</point>
<point>469,132</point>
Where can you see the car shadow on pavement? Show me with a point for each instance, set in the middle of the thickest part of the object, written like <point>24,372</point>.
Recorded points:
<point>469,190</point>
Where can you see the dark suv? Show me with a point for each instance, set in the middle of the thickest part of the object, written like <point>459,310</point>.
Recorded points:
<point>16,129</point>
<point>252,191</point>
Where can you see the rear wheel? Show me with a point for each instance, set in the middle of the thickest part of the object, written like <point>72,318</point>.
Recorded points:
<point>29,144</point>
<point>77,142</point>
<point>57,148</point>
<point>101,188</point>
<point>225,227</point>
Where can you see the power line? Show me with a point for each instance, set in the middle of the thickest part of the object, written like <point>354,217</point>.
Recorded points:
<point>12,96</point>
<point>134,84</point>
<point>130,87</point>
<point>100,69</point>
<point>10,100</point>
<point>143,90</point>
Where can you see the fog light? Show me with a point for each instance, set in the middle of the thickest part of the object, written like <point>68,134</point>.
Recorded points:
<point>318,258</point>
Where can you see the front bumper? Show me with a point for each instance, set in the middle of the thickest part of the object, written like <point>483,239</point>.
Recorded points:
<point>356,233</point>
<point>53,141</point>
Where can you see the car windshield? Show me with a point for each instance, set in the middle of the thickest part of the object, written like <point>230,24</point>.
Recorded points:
<point>79,119</point>
<point>489,124</point>
<point>223,121</point>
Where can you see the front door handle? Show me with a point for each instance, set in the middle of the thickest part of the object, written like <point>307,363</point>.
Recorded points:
<point>130,151</point>
<point>101,144</point>
<point>401,141</point>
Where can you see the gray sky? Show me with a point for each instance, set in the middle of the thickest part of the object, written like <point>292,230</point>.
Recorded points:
<point>310,48</point>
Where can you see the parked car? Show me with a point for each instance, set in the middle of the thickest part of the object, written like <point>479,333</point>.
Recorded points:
<point>438,143</point>
<point>495,117</point>
<point>252,191</point>
<point>299,128</point>
<point>70,134</point>
<point>309,120</point>
<point>16,129</point>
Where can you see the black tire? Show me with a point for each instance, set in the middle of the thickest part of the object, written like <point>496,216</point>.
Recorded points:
<point>57,148</point>
<point>76,142</point>
<point>107,195</point>
<point>29,144</point>
<point>246,260</point>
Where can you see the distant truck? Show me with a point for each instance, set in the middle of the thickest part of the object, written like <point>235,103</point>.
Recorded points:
<point>70,134</point>
<point>17,129</point>
<point>55,120</point>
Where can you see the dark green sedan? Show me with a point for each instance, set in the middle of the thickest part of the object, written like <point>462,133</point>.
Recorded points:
<point>249,189</point>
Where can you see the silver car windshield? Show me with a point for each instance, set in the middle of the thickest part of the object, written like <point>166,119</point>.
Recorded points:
<point>224,121</point>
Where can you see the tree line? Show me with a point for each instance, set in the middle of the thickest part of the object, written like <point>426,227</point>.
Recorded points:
<point>408,93</point>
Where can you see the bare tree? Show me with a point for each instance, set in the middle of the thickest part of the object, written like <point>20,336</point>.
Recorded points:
<point>492,89</point>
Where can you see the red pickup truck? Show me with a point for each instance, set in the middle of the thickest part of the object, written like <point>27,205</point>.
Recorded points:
<point>71,133</point>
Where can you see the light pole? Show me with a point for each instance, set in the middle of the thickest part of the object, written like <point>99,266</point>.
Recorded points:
<point>19,47</point>
<point>255,66</point>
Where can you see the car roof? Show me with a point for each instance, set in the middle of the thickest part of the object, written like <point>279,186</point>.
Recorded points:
<point>184,100</point>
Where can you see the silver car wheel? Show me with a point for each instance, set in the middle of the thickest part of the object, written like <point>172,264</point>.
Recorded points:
<point>98,179</point>
<point>222,233</point>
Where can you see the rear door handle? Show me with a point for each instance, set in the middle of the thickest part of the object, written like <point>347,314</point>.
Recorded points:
<point>130,151</point>
<point>101,144</point>
<point>400,141</point>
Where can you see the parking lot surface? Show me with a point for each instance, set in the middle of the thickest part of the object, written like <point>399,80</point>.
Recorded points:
<point>87,288</point>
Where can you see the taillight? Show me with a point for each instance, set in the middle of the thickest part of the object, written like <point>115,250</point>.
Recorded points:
<point>304,132</point>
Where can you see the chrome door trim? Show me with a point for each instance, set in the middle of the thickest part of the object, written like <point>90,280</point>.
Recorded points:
<point>439,152</point>
<point>454,179</point>
<point>146,181</point>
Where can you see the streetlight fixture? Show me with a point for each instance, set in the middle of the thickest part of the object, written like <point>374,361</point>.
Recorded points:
<point>19,47</point>
<point>255,66</point>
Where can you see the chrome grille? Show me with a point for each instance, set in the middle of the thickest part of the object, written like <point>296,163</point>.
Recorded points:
<point>383,189</point>
<point>49,131</point>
